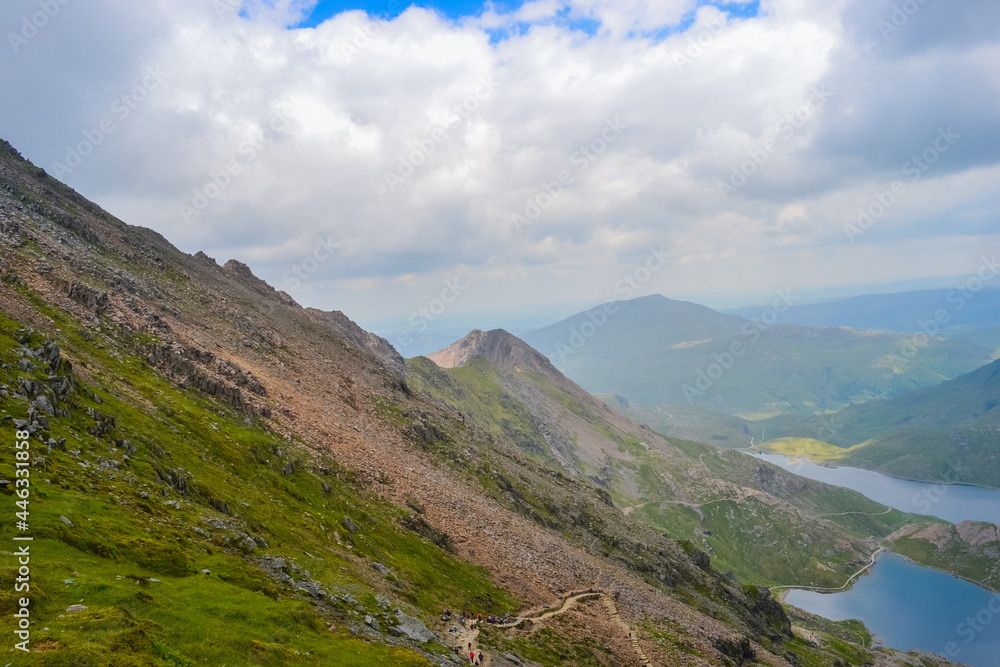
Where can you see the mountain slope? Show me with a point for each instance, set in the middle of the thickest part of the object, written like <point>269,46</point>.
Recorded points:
<point>949,432</point>
<point>733,506</point>
<point>247,482</point>
<point>658,352</point>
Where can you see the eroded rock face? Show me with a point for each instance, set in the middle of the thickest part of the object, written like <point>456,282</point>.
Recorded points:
<point>378,347</point>
<point>978,533</point>
<point>937,534</point>
<point>89,297</point>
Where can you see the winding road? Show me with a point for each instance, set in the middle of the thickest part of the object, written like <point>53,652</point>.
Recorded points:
<point>839,588</point>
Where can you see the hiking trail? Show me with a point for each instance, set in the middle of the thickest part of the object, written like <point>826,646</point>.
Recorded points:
<point>467,636</point>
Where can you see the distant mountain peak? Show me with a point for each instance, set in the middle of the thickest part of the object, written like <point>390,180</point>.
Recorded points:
<point>499,346</point>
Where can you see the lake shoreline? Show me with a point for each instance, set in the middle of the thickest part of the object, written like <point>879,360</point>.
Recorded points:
<point>826,464</point>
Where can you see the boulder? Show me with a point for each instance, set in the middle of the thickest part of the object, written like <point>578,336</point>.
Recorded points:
<point>413,628</point>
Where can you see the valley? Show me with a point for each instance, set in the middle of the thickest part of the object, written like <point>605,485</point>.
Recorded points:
<point>220,476</point>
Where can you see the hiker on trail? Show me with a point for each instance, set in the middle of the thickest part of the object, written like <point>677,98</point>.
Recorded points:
<point>481,659</point>
<point>472,657</point>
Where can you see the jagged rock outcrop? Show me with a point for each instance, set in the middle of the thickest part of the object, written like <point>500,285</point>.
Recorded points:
<point>376,346</point>
<point>242,274</point>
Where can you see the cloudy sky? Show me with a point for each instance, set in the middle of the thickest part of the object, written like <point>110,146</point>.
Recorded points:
<point>371,156</point>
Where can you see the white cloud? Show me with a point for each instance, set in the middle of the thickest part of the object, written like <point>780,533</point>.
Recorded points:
<point>483,127</point>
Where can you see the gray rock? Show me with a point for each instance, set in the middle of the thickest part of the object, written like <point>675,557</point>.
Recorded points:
<point>350,525</point>
<point>372,623</point>
<point>382,569</point>
<point>173,503</point>
<point>66,521</point>
<point>51,355</point>
<point>73,608</point>
<point>43,404</point>
<point>512,658</point>
<point>413,628</point>
<point>200,531</point>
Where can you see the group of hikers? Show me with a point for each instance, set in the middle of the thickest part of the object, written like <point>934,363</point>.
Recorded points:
<point>474,619</point>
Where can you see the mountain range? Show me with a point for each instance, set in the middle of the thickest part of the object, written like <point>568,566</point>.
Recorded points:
<point>220,476</point>
<point>967,309</point>
<point>654,351</point>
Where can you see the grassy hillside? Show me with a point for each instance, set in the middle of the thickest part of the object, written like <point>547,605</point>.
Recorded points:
<point>758,522</point>
<point>254,564</point>
<point>219,476</point>
<point>943,433</point>
<point>970,550</point>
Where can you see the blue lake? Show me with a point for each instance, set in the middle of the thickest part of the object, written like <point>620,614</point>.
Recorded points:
<point>951,502</point>
<point>913,607</point>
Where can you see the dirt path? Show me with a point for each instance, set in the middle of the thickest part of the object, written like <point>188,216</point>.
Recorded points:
<point>467,638</point>
<point>887,510</point>
<point>613,610</point>
<point>748,493</point>
<point>839,588</point>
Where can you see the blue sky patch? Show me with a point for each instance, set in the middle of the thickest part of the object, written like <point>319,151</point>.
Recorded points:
<point>456,9</point>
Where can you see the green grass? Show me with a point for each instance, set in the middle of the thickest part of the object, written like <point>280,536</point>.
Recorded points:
<point>476,391</point>
<point>808,448</point>
<point>555,642</point>
<point>840,643</point>
<point>973,563</point>
<point>237,615</point>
